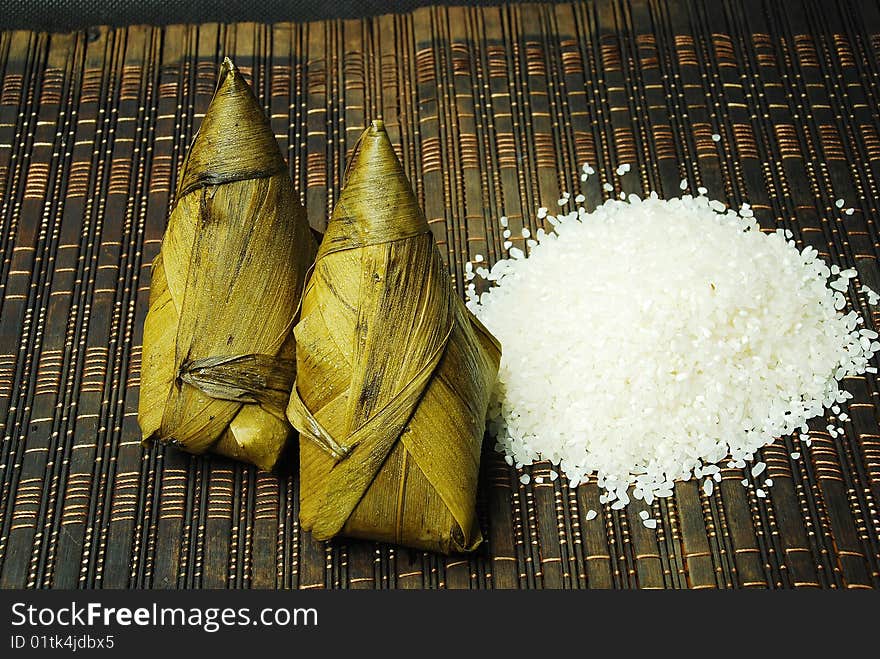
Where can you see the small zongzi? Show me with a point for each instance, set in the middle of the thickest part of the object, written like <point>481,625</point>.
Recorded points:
<point>218,360</point>
<point>393,372</point>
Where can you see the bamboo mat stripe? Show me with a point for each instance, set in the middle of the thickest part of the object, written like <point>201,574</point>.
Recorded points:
<point>492,110</point>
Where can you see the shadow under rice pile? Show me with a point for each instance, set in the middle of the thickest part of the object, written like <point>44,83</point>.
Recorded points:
<point>649,340</point>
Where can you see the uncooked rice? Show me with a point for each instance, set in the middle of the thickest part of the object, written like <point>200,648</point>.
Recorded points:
<point>651,338</point>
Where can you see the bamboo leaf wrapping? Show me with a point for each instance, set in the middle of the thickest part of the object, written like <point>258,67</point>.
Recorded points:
<point>393,372</point>
<point>218,359</point>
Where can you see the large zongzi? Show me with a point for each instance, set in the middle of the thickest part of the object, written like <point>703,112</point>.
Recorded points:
<point>393,372</point>
<point>218,360</point>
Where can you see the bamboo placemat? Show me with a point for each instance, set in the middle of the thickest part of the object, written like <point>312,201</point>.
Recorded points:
<point>487,106</point>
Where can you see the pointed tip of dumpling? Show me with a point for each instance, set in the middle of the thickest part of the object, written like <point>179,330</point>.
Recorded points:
<point>233,89</point>
<point>374,157</point>
<point>228,76</point>
<point>235,140</point>
<point>376,203</point>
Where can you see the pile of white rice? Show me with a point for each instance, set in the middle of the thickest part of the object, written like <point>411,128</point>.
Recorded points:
<point>650,339</point>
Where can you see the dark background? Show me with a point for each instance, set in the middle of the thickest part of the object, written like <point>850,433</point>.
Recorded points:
<point>63,15</point>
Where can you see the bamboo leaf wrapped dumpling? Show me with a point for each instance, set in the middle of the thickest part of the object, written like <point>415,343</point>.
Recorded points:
<point>393,372</point>
<point>218,356</point>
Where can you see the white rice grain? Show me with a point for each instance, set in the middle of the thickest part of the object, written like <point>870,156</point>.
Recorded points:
<point>630,350</point>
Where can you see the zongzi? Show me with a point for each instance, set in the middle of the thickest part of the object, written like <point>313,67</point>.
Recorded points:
<point>218,360</point>
<point>393,372</point>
